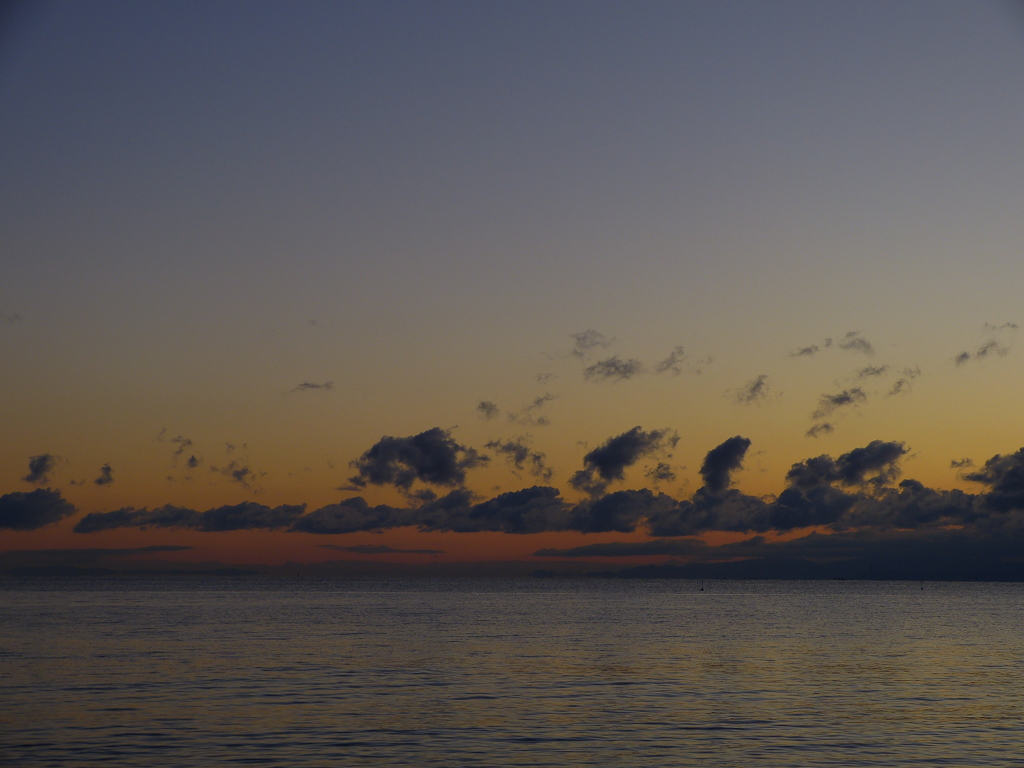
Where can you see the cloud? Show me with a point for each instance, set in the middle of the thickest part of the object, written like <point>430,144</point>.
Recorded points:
<point>990,347</point>
<point>529,415</point>
<point>997,328</point>
<point>192,462</point>
<point>961,464</point>
<point>721,461</point>
<point>306,386</point>
<point>857,496</point>
<point>431,457</point>
<point>613,369</point>
<point>106,475</point>
<point>829,403</point>
<point>9,319</point>
<point>487,410</point>
<point>381,549</point>
<point>824,428</point>
<point>28,511</point>
<point>1004,474</point>
<point>233,517</point>
<point>237,471</point>
<point>871,371</point>
<point>855,342</point>
<point>183,444</point>
<point>673,362</point>
<point>608,462</point>
<point>39,468</point>
<point>662,472</point>
<point>587,341</point>
<point>518,453</point>
<point>903,384</point>
<point>805,351</point>
<point>754,390</point>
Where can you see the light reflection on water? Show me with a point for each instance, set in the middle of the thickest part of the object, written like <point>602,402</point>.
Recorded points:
<point>529,672</point>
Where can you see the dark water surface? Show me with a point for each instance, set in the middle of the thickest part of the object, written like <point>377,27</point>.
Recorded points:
<point>196,672</point>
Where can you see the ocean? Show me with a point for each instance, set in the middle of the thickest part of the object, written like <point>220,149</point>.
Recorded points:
<point>198,671</point>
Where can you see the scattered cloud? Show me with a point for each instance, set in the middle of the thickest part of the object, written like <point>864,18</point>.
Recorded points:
<point>662,472</point>
<point>589,340</point>
<point>39,468</point>
<point>805,351</point>
<point>673,363</point>
<point>530,415</point>
<point>9,319</point>
<point>35,509</point>
<point>613,369</point>
<point>432,457</point>
<point>871,371</point>
<point>307,386</point>
<point>855,342</point>
<point>487,410</point>
<point>518,453</point>
<point>824,428</point>
<point>106,475</point>
<point>830,403</point>
<point>961,464</point>
<point>754,391</point>
<point>608,462</point>
<point>988,349</point>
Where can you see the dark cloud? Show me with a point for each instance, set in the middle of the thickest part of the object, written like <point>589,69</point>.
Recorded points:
<point>9,319</point>
<point>754,390</point>
<point>235,517</point>
<point>661,473</point>
<point>237,471</point>
<point>519,454</point>
<point>106,475</point>
<point>620,511</point>
<point>487,410</point>
<point>192,462</point>
<point>961,464</point>
<point>721,461</point>
<point>381,549</point>
<point>587,341</point>
<point>353,515</point>
<point>1004,474</point>
<point>28,511</point>
<point>531,510</point>
<point>673,363</point>
<point>824,428</point>
<point>431,457</point>
<point>903,384</point>
<point>856,496</point>
<point>829,403</point>
<point>855,342</point>
<point>871,371</point>
<point>607,463</point>
<point>962,358</point>
<point>39,468</point>
<point>306,386</point>
<point>613,369</point>
<point>879,457</point>
<point>530,415</point>
<point>997,328</point>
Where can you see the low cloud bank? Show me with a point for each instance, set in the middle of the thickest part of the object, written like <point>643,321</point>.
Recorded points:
<point>859,491</point>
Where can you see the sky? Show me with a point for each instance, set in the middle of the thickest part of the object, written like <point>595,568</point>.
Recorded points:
<point>392,285</point>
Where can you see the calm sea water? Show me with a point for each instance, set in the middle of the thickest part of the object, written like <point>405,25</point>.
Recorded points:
<point>510,673</point>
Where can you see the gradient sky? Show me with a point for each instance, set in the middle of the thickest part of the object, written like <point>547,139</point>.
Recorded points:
<point>206,208</point>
